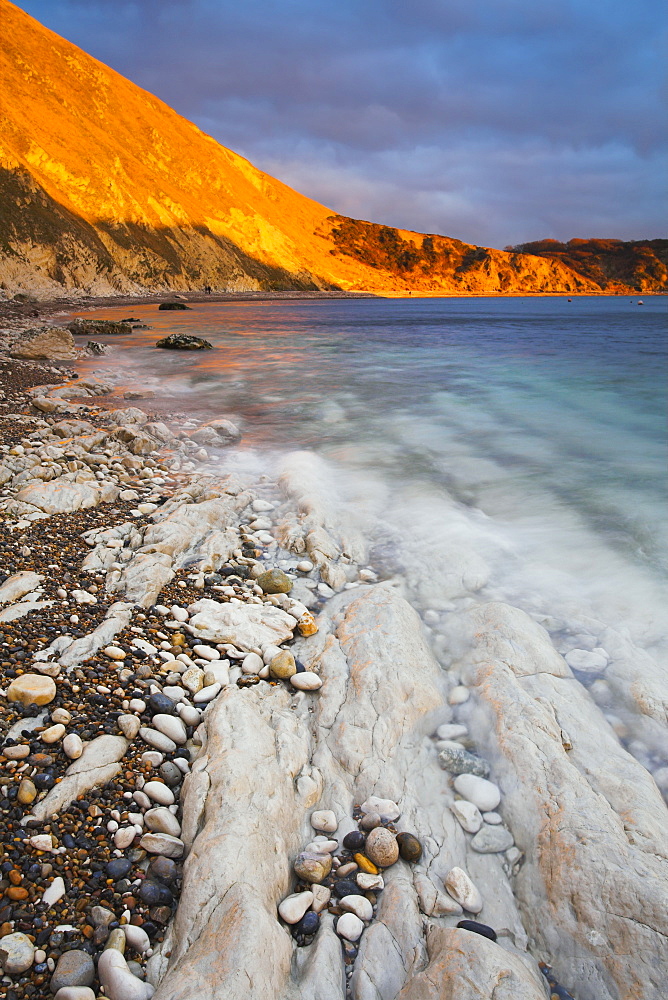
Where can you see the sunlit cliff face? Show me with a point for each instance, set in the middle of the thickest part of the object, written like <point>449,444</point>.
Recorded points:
<point>105,187</point>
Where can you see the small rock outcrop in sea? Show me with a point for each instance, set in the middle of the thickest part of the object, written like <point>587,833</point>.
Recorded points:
<point>172,306</point>
<point>99,327</point>
<point>183,342</point>
<point>48,343</point>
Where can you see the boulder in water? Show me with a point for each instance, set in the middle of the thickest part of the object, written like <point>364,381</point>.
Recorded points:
<point>165,306</point>
<point>183,342</point>
<point>98,327</point>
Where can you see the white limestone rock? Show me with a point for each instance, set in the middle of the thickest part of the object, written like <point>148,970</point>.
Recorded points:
<point>245,625</point>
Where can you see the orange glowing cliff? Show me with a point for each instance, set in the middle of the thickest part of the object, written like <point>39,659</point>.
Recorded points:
<point>104,188</point>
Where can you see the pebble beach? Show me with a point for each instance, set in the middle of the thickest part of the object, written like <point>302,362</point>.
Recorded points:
<point>152,617</point>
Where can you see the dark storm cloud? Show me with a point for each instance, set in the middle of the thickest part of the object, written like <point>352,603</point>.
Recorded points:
<point>492,121</point>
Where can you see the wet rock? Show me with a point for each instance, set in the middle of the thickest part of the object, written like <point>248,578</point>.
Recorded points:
<point>161,703</point>
<point>183,342</point>
<point>381,847</point>
<point>308,925</point>
<point>410,847</point>
<point>32,689</point>
<point>98,327</point>
<point>312,867</point>
<point>457,760</point>
<point>587,661</point>
<point>274,581</point>
<point>482,793</point>
<point>492,840</point>
<point>74,968</point>
<point>174,307</point>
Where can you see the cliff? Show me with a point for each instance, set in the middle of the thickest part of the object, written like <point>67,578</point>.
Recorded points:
<point>106,189</point>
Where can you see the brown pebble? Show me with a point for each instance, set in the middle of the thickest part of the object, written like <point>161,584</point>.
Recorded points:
<point>16,892</point>
<point>5,929</point>
<point>15,877</point>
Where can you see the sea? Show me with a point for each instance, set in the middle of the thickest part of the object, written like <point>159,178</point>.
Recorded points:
<point>507,449</point>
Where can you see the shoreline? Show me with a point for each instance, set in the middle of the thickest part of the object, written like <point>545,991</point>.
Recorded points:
<point>379,677</point>
<point>45,307</point>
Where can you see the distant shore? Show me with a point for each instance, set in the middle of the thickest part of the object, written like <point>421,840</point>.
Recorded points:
<point>19,314</point>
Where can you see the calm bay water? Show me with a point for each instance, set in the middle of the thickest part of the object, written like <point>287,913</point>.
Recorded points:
<point>529,433</point>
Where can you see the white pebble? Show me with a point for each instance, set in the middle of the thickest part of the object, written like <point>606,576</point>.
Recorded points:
<point>163,844</point>
<point>306,681</point>
<point>137,938</point>
<point>305,566</point>
<point>293,907</point>
<point>492,818</point>
<point>350,927</point>
<point>587,661</point>
<point>207,694</point>
<point>451,731</point>
<point>171,726</point>
<point>467,815</point>
<point>124,837</point>
<point>206,652</point>
<point>359,905</point>
<point>156,739</point>
<point>484,794</point>
<point>462,889</point>
<point>159,792</point>
<point>458,695</point>
<point>54,892</point>
<point>252,663</point>
<point>73,746</point>
<point>114,652</point>
<point>324,820</point>
<point>384,807</point>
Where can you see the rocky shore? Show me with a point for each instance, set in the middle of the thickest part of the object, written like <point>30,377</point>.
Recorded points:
<point>234,767</point>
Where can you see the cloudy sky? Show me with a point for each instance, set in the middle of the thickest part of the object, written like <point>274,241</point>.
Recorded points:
<point>495,121</point>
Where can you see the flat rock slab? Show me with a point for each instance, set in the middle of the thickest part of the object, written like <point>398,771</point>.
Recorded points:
<point>467,966</point>
<point>97,765</point>
<point>19,584</point>
<point>245,625</point>
<point>589,817</point>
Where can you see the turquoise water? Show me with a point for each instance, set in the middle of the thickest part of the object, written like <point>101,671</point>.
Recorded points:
<point>529,432</point>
